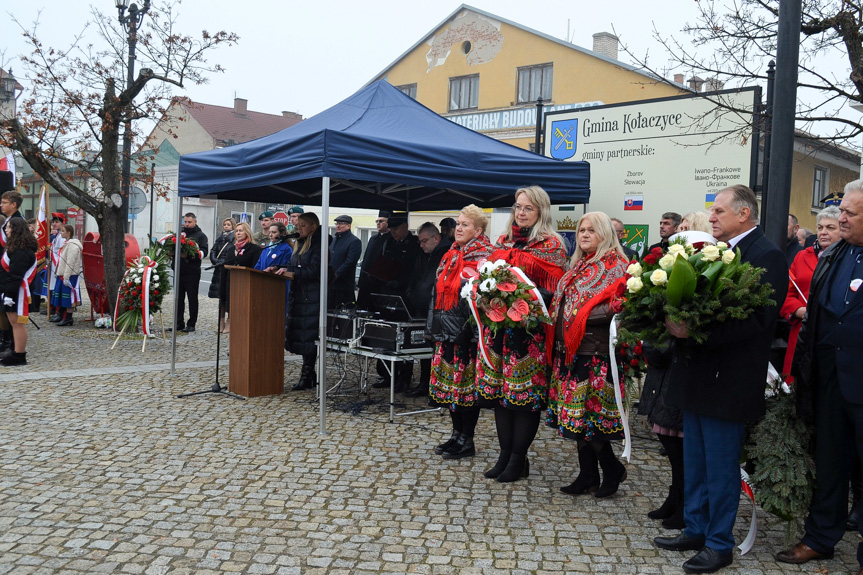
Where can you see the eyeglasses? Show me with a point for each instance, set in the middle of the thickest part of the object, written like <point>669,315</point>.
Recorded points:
<point>525,209</point>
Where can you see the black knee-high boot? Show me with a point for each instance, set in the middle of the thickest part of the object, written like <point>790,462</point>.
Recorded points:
<point>463,447</point>
<point>674,502</point>
<point>856,495</point>
<point>588,472</point>
<point>525,426</point>
<point>503,422</point>
<point>456,431</point>
<point>613,471</point>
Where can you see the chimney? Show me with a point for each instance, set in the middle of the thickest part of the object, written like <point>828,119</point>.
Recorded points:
<point>713,85</point>
<point>291,115</point>
<point>695,83</point>
<point>240,105</point>
<point>605,44</point>
<point>678,79</point>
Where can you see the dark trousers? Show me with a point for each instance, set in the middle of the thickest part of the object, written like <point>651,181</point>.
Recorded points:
<point>711,478</point>
<point>838,437</point>
<point>187,287</point>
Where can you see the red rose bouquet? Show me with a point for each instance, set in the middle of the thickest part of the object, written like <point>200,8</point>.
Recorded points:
<point>501,295</point>
<point>188,246</point>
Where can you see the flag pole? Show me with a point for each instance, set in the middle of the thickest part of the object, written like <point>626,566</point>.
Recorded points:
<point>50,257</point>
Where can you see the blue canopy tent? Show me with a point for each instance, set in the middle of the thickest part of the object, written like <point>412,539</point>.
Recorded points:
<point>377,149</point>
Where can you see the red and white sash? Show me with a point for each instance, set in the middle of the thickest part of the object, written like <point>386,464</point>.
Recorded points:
<point>23,309</point>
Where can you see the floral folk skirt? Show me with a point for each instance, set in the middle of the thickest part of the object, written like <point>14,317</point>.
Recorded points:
<point>65,296</point>
<point>453,375</point>
<point>516,374</point>
<point>581,401</point>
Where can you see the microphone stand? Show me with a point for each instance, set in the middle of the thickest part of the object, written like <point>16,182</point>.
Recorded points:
<point>217,388</point>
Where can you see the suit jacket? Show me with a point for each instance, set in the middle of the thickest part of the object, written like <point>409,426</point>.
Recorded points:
<point>849,331</point>
<point>725,377</point>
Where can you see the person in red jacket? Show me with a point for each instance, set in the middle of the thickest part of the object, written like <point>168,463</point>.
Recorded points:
<point>800,275</point>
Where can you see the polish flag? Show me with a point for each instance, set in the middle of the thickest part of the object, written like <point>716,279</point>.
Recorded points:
<point>7,164</point>
<point>42,237</point>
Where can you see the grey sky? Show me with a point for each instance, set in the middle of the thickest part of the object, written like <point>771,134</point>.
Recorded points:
<point>306,56</point>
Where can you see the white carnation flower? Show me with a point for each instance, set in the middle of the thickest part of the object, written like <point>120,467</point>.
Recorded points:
<point>137,280</point>
<point>466,290</point>
<point>487,285</point>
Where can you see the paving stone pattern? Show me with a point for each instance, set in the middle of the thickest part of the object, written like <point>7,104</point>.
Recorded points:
<point>104,470</point>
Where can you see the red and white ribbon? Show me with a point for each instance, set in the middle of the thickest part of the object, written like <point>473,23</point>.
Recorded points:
<point>471,303</point>
<point>746,486</point>
<point>149,267</point>
<point>23,305</point>
<point>618,396</point>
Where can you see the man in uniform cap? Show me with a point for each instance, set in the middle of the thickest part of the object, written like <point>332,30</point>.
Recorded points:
<point>345,250</point>
<point>262,237</point>
<point>369,284</point>
<point>447,229</point>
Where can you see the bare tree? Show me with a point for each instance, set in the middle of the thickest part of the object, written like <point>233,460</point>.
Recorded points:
<point>77,100</point>
<point>733,41</point>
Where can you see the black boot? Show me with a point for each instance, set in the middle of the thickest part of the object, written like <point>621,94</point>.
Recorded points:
<point>676,519</point>
<point>5,340</point>
<point>498,468</point>
<point>588,473</point>
<point>613,472</point>
<point>306,373</point>
<point>15,359</point>
<point>517,468</point>
<point>56,316</point>
<point>463,447</point>
<point>668,507</point>
<point>66,319</point>
<point>439,450</point>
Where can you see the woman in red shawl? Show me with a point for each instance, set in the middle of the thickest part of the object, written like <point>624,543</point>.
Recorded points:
<point>582,401</point>
<point>453,374</point>
<point>514,379</point>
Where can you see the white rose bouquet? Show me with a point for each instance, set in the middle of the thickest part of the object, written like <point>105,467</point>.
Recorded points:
<point>696,284</point>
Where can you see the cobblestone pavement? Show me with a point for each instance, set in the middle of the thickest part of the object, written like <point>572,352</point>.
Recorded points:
<point>104,470</point>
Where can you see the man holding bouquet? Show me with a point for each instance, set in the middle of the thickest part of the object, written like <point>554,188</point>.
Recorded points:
<point>720,386</point>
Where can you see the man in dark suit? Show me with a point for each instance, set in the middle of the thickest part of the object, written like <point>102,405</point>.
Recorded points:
<point>792,246</point>
<point>368,283</point>
<point>827,370</point>
<point>720,388</point>
<point>345,250</point>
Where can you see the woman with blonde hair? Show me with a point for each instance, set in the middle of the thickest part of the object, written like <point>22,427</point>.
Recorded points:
<point>453,373</point>
<point>304,298</point>
<point>582,399</point>
<point>696,221</point>
<point>513,378</point>
<point>242,252</point>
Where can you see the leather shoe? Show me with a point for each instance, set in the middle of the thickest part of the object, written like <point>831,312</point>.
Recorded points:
<point>188,329</point>
<point>680,543</point>
<point>381,383</point>
<point>708,561</point>
<point>801,553</point>
<point>418,391</point>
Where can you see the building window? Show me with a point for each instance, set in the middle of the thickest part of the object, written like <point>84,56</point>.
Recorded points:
<point>534,83</point>
<point>819,187</point>
<point>464,93</point>
<point>409,89</point>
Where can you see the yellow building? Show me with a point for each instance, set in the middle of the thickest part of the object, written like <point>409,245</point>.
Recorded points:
<point>486,73</point>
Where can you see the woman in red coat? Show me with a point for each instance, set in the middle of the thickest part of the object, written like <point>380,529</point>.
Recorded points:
<point>800,275</point>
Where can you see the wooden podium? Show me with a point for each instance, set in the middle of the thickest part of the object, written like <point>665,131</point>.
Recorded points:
<point>257,350</point>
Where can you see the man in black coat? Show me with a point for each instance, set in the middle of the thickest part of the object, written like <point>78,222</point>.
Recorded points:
<point>720,387</point>
<point>368,283</point>
<point>433,245</point>
<point>667,227</point>
<point>190,275</point>
<point>827,372</point>
<point>345,250</point>
<point>792,246</point>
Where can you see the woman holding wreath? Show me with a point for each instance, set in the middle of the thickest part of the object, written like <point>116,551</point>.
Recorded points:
<point>513,378</point>
<point>453,372</point>
<point>582,402</point>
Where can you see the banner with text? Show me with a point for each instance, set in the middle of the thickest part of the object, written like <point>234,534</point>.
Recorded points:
<point>656,156</point>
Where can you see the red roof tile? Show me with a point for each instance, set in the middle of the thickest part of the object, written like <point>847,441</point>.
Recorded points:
<point>237,125</point>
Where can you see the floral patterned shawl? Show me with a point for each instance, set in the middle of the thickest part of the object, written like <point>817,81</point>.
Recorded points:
<point>542,259</point>
<point>451,266</point>
<point>582,288</point>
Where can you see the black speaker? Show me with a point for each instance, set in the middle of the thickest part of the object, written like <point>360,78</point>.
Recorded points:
<point>7,182</point>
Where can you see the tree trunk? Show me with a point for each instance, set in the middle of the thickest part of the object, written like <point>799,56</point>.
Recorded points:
<point>112,234</point>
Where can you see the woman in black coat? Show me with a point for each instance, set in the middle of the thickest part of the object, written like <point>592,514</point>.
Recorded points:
<point>304,298</point>
<point>243,251</point>
<point>17,269</point>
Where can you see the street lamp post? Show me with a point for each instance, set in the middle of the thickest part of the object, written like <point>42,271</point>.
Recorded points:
<point>131,17</point>
<point>8,86</point>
